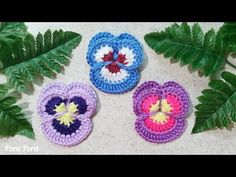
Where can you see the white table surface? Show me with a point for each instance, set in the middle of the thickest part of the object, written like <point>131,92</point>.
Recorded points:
<point>113,130</point>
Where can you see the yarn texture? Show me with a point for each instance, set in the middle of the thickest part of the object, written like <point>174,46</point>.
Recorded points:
<point>114,62</point>
<point>161,111</point>
<point>66,112</point>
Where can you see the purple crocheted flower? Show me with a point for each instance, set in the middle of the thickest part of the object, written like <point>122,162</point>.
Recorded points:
<point>161,111</point>
<point>66,111</point>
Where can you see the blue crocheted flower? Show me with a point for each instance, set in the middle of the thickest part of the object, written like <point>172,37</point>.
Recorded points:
<point>114,62</point>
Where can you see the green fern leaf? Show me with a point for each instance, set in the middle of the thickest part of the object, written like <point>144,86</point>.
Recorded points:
<point>217,108</point>
<point>43,56</point>
<point>228,33</point>
<point>189,45</point>
<point>9,31</point>
<point>12,118</point>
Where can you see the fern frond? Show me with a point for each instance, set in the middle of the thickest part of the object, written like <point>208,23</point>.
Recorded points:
<point>217,108</point>
<point>228,33</point>
<point>189,45</point>
<point>9,31</point>
<point>43,56</point>
<point>12,118</point>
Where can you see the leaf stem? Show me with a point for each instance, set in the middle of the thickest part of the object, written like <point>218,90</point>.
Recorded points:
<point>232,65</point>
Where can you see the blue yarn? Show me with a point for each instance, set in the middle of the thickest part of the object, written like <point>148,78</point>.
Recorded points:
<point>115,55</point>
<point>115,42</point>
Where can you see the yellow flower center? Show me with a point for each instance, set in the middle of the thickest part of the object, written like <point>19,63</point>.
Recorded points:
<point>155,107</point>
<point>160,111</point>
<point>165,107</point>
<point>66,118</point>
<point>60,108</point>
<point>159,117</point>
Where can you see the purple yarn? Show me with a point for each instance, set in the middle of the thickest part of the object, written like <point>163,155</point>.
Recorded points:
<point>81,102</point>
<point>148,131</point>
<point>63,129</point>
<point>83,96</point>
<point>51,105</point>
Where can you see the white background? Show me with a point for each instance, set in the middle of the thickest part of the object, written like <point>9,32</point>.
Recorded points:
<point>113,131</point>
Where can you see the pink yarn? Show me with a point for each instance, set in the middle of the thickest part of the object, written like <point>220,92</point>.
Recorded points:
<point>161,111</point>
<point>146,104</point>
<point>159,127</point>
<point>173,100</point>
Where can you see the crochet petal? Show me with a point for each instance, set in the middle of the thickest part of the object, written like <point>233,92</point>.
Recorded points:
<point>128,46</point>
<point>103,43</point>
<point>144,93</point>
<point>99,36</point>
<point>160,133</point>
<point>83,96</point>
<point>67,136</point>
<point>52,95</point>
<point>177,97</point>
<point>99,46</point>
<point>120,82</point>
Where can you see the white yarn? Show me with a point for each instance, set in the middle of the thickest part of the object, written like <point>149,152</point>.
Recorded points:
<point>129,55</point>
<point>114,77</point>
<point>104,50</point>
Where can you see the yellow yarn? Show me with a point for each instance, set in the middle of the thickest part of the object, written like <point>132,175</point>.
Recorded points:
<point>60,108</point>
<point>67,118</point>
<point>165,107</point>
<point>159,117</point>
<point>155,107</point>
<point>72,108</point>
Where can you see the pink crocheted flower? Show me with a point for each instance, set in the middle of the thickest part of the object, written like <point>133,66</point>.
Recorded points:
<point>161,111</point>
<point>66,112</point>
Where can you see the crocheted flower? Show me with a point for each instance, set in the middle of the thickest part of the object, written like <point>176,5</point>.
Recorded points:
<point>65,111</point>
<point>114,62</point>
<point>161,111</point>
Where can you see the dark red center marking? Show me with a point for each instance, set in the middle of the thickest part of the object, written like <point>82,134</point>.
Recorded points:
<point>113,67</point>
